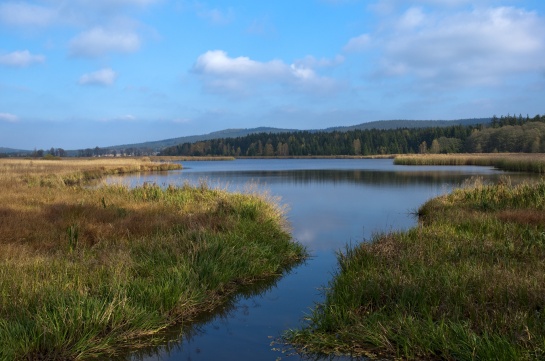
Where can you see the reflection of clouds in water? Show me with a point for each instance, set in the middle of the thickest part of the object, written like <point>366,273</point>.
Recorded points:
<point>304,236</point>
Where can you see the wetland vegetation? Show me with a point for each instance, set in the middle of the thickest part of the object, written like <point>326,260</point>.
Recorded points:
<point>87,271</point>
<point>515,162</point>
<point>466,284</point>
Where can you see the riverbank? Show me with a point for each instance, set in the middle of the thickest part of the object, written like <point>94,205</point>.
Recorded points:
<point>515,162</point>
<point>90,272</point>
<point>466,284</point>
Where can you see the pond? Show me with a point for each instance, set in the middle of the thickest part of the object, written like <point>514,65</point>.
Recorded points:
<point>331,203</point>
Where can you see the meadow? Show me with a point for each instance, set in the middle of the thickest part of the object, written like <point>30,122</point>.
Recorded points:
<point>89,270</point>
<point>467,283</point>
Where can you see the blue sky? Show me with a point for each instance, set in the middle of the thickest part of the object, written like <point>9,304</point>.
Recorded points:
<point>85,73</point>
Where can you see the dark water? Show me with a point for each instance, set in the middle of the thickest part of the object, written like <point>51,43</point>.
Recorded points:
<point>332,203</point>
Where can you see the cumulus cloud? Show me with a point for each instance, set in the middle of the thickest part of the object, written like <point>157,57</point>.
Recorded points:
<point>7,117</point>
<point>471,47</point>
<point>107,25</point>
<point>222,73</point>
<point>102,77</point>
<point>99,41</point>
<point>21,59</point>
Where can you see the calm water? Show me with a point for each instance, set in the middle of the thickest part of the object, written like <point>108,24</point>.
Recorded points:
<point>332,203</point>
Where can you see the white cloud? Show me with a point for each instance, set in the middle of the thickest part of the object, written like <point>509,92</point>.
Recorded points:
<point>99,41</point>
<point>21,59</point>
<point>7,117</point>
<point>217,62</point>
<point>412,18</point>
<point>103,77</point>
<point>477,47</point>
<point>243,75</point>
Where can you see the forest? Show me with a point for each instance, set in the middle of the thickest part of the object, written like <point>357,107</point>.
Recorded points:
<point>503,134</point>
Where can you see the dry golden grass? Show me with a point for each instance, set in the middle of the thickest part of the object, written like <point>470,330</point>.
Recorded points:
<point>36,195</point>
<point>518,162</point>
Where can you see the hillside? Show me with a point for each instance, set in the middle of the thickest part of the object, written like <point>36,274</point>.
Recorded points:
<point>411,124</point>
<point>226,133</point>
<point>236,133</point>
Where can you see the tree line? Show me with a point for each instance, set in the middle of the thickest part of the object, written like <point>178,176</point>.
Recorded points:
<point>504,134</point>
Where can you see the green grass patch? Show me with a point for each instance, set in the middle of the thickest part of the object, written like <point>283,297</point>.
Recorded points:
<point>89,272</point>
<point>467,284</point>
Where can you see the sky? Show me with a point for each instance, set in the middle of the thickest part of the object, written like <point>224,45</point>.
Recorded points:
<point>83,73</point>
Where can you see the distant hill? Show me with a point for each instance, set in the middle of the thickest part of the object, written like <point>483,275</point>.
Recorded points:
<point>395,124</point>
<point>235,133</point>
<point>227,133</point>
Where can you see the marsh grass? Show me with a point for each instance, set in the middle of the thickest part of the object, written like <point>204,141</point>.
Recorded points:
<point>516,162</point>
<point>467,284</point>
<point>88,272</point>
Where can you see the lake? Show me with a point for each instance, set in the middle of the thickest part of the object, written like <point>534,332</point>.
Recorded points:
<point>331,203</point>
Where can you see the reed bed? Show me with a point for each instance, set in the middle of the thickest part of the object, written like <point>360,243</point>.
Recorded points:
<point>90,272</point>
<point>467,284</point>
<point>516,162</point>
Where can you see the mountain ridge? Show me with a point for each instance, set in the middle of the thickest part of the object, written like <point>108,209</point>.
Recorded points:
<point>240,132</point>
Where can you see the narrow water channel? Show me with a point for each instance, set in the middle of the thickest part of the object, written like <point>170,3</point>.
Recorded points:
<point>331,204</point>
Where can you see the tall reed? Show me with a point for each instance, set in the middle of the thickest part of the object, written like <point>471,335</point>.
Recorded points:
<point>516,162</point>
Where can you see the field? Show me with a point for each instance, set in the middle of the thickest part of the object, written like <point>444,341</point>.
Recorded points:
<point>90,270</point>
<point>467,284</point>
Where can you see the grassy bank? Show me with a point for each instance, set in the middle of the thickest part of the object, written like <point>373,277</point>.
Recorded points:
<point>467,284</point>
<point>516,162</point>
<point>89,272</point>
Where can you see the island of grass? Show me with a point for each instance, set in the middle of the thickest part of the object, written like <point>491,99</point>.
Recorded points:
<point>467,284</point>
<point>91,271</point>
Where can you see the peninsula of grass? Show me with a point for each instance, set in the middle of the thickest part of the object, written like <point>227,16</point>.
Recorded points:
<point>89,272</point>
<point>515,162</point>
<point>467,284</point>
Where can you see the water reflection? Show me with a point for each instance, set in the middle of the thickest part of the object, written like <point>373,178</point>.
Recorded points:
<point>331,203</point>
<point>239,307</point>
